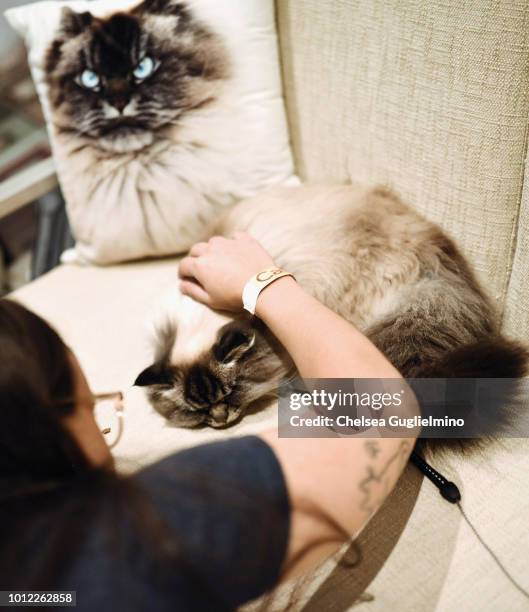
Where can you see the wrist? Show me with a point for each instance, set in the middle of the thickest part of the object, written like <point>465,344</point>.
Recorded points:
<point>258,283</point>
<point>280,292</point>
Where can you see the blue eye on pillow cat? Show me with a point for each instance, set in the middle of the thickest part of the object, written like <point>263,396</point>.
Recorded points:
<point>120,80</point>
<point>118,98</point>
<point>162,115</point>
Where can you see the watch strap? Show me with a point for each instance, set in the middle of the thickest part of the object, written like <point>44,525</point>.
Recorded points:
<point>257,283</point>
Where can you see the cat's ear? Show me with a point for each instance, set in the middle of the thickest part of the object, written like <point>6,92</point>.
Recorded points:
<point>233,342</point>
<point>73,24</point>
<point>155,374</point>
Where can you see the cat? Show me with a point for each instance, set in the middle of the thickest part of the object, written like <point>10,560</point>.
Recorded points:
<point>154,133</point>
<point>366,255</point>
<point>119,81</point>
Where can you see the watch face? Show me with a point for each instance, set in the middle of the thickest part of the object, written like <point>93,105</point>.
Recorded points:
<point>267,275</point>
<point>257,283</point>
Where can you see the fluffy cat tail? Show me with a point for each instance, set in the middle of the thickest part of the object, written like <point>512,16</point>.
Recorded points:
<point>495,357</point>
<point>419,355</point>
<point>506,404</point>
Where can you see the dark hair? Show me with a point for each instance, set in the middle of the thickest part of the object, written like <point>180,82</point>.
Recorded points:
<point>50,494</point>
<point>37,388</point>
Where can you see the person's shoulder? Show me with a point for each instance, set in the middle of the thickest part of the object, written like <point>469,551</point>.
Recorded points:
<point>226,505</point>
<point>233,456</point>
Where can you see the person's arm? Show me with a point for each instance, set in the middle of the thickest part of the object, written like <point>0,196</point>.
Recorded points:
<point>335,485</point>
<point>321,343</point>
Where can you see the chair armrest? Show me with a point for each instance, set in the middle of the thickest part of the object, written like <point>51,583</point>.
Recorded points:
<point>27,185</point>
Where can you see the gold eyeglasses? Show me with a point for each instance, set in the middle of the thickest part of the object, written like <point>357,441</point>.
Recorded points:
<point>108,412</point>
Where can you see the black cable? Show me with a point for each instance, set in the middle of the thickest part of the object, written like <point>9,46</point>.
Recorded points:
<point>447,489</point>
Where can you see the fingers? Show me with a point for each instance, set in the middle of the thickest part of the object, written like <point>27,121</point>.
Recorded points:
<point>242,236</point>
<point>186,268</point>
<point>201,248</point>
<point>198,249</point>
<point>217,241</point>
<point>195,291</point>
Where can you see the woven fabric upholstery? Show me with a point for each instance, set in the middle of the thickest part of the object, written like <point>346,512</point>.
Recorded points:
<point>516,316</point>
<point>430,98</point>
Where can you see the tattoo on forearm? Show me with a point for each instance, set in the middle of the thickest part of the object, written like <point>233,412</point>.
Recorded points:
<point>373,448</point>
<point>381,478</point>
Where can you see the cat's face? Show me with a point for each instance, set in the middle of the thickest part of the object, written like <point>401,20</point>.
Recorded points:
<point>217,386</point>
<point>120,80</point>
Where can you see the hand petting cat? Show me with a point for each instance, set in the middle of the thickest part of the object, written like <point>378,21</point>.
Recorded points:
<point>216,271</point>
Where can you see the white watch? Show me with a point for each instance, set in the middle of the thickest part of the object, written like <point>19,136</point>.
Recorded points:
<point>257,283</point>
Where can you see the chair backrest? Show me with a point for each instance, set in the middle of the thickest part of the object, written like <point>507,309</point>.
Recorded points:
<point>431,99</point>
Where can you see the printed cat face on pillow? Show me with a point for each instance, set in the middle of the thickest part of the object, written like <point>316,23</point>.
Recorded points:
<point>121,79</point>
<point>162,114</point>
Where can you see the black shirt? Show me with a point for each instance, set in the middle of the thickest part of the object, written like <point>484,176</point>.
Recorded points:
<point>226,510</point>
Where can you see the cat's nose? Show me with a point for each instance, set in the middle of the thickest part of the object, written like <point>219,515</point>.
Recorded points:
<point>119,103</point>
<point>219,413</point>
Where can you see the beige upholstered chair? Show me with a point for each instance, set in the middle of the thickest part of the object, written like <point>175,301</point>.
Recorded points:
<point>431,98</point>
